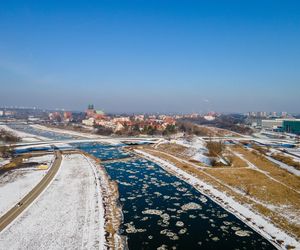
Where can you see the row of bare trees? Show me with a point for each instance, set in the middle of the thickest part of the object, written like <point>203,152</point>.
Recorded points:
<point>9,137</point>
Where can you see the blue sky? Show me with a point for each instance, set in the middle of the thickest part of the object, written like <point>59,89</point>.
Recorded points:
<point>164,56</point>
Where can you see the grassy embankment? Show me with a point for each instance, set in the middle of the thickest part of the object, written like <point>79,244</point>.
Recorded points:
<point>269,190</point>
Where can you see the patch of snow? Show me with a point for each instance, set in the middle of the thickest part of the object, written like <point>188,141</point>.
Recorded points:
<point>44,159</point>
<point>4,162</point>
<point>284,166</point>
<point>25,136</point>
<point>295,151</point>
<point>65,131</point>
<point>197,148</point>
<point>202,158</point>
<point>65,216</point>
<point>14,185</point>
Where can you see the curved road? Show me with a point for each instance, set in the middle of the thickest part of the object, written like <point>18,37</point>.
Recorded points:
<point>13,213</point>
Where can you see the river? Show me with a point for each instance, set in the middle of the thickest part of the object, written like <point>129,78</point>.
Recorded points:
<point>163,212</point>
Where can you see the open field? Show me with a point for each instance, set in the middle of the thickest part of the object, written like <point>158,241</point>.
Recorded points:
<point>16,183</point>
<point>66,215</point>
<point>176,149</point>
<point>14,186</point>
<point>192,155</point>
<point>213,131</point>
<point>253,181</point>
<point>24,136</point>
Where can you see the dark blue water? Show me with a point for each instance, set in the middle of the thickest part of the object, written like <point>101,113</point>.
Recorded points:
<point>103,152</point>
<point>163,212</point>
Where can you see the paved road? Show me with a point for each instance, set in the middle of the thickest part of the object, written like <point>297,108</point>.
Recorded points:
<point>7,218</point>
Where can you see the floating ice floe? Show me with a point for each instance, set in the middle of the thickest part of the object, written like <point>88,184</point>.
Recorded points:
<point>169,234</point>
<point>227,223</point>
<point>165,216</point>
<point>182,189</point>
<point>190,206</point>
<point>182,231</point>
<point>162,247</point>
<point>203,199</point>
<point>222,216</point>
<point>179,224</point>
<point>152,211</point>
<point>132,177</point>
<point>242,233</point>
<point>131,229</point>
<point>144,218</point>
<point>171,209</point>
<point>124,183</point>
<point>235,228</point>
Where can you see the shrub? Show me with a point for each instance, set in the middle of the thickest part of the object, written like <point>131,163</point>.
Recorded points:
<point>5,151</point>
<point>215,149</point>
<point>7,136</point>
<point>260,149</point>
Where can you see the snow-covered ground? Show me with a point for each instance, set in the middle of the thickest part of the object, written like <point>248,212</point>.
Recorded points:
<point>90,136</point>
<point>65,131</point>
<point>59,145</point>
<point>284,166</point>
<point>295,151</point>
<point>14,185</point>
<point>106,139</point>
<point>67,215</point>
<point>43,159</point>
<point>3,162</point>
<point>24,136</point>
<point>289,168</point>
<point>197,148</point>
<point>257,221</point>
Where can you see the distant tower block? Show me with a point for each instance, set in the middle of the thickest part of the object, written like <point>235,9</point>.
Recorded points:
<point>91,106</point>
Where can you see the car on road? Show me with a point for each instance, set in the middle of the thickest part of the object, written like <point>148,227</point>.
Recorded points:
<point>19,204</point>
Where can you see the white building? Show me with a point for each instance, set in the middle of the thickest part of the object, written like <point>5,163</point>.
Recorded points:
<point>121,119</point>
<point>209,117</point>
<point>271,124</point>
<point>89,122</point>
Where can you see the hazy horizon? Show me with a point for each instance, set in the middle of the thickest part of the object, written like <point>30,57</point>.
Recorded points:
<point>158,56</point>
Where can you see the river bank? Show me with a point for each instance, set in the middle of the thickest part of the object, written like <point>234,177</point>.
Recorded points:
<point>264,227</point>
